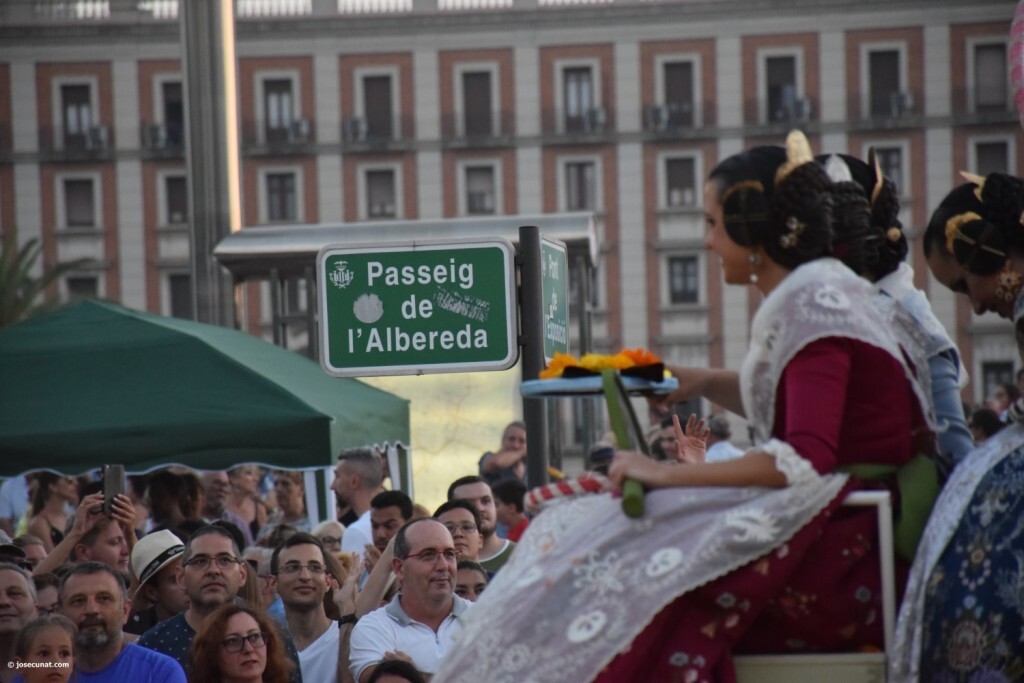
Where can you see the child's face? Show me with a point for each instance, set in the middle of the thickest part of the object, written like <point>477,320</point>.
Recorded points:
<point>51,645</point>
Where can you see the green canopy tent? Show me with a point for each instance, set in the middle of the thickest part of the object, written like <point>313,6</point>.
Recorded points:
<point>96,383</point>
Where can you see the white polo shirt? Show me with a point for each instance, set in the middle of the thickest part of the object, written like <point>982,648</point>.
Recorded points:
<point>389,628</point>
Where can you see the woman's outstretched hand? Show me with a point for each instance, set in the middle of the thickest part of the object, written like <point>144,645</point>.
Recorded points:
<point>637,466</point>
<point>691,443</point>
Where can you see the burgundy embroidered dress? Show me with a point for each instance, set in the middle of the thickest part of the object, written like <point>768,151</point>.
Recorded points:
<point>712,571</point>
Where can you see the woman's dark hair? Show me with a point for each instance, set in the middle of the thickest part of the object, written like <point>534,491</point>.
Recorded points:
<point>986,421</point>
<point>876,249</point>
<point>980,232</point>
<point>204,657</point>
<point>44,480</point>
<point>791,221</point>
<point>397,667</point>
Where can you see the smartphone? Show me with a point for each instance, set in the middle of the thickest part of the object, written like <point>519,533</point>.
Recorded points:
<point>113,484</point>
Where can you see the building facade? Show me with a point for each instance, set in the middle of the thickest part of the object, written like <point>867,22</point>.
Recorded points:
<point>363,110</point>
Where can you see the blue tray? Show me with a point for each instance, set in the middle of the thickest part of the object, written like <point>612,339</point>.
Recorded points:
<point>586,386</point>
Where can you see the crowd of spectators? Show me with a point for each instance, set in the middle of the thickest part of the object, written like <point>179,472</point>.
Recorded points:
<point>212,576</point>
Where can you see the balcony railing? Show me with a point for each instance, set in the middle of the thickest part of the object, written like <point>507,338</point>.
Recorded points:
<point>678,118</point>
<point>894,109</point>
<point>769,116</point>
<point>162,139</point>
<point>983,105</point>
<point>362,134</point>
<point>297,137</point>
<point>20,12</point>
<point>458,130</point>
<point>593,124</point>
<point>93,143</point>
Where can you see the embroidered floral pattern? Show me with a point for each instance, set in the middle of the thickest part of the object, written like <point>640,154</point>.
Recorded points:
<point>973,619</point>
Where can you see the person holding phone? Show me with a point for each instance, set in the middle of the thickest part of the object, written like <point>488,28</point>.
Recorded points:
<point>97,535</point>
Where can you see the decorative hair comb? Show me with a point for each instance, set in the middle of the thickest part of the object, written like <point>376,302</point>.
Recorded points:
<point>879,178</point>
<point>837,169</point>
<point>798,153</point>
<point>977,180</point>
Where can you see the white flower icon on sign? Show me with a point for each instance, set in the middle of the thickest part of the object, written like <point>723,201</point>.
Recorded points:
<point>368,308</point>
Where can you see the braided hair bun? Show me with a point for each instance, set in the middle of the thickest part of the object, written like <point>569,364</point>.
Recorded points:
<point>791,221</point>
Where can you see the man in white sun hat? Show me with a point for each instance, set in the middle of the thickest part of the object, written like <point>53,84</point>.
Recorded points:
<point>156,561</point>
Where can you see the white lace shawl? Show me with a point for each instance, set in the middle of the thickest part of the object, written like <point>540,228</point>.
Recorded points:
<point>818,300</point>
<point>957,493</point>
<point>929,333</point>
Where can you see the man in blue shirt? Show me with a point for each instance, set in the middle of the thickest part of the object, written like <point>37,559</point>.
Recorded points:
<point>93,596</point>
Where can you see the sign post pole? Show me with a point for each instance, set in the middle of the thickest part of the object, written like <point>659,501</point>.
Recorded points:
<point>531,340</point>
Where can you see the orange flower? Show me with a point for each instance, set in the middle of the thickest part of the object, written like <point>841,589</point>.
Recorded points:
<point>641,356</point>
<point>559,362</point>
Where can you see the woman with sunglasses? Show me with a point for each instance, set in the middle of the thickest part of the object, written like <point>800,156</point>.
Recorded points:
<point>237,644</point>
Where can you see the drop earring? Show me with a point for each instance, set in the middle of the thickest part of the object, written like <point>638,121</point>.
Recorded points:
<point>755,263</point>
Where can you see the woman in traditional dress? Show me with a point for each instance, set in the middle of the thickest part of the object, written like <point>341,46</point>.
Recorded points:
<point>877,251</point>
<point>963,616</point>
<point>752,554</point>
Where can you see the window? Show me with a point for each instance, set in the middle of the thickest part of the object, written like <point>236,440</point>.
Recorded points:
<point>683,280</point>
<point>780,83</point>
<point>994,373</point>
<point>991,157</point>
<point>176,197</point>
<point>680,183</point>
<point>578,98</point>
<point>281,197</point>
<point>990,81</point>
<point>378,107</point>
<point>81,287</point>
<point>580,186</point>
<point>174,113</point>
<point>278,109</point>
<point>380,194</point>
<point>476,104</point>
<point>179,290</point>
<point>890,159</point>
<point>79,203</point>
<point>679,93</point>
<point>884,84</point>
<point>76,116</point>
<point>480,190</point>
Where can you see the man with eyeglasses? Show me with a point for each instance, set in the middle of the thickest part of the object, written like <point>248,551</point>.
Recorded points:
<point>299,569</point>
<point>211,574</point>
<point>94,598</point>
<point>463,523</point>
<point>420,623</point>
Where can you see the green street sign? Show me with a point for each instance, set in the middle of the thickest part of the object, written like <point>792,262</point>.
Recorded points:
<point>417,307</point>
<point>554,271</point>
